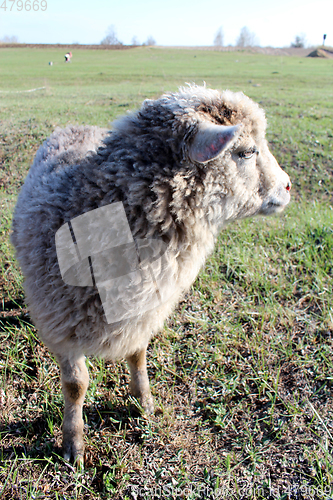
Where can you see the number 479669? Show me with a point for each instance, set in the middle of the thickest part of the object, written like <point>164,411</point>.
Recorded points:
<point>27,5</point>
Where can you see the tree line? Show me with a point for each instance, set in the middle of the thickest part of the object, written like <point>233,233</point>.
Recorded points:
<point>111,38</point>
<point>246,38</point>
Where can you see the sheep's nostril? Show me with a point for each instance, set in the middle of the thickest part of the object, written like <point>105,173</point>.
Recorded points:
<point>288,186</point>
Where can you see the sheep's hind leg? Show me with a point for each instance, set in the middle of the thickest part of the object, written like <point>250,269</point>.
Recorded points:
<point>139,380</point>
<point>75,379</point>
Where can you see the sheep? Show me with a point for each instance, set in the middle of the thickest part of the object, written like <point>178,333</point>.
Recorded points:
<point>172,174</point>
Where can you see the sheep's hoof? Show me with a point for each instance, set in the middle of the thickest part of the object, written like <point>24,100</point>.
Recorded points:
<point>147,403</point>
<point>79,463</point>
<point>72,451</point>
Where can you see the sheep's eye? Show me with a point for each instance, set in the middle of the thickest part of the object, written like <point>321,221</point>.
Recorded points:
<point>248,153</point>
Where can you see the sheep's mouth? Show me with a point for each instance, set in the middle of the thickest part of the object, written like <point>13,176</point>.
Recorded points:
<point>275,202</point>
<point>272,208</point>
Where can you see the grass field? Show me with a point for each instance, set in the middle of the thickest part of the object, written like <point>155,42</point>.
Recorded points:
<point>242,374</point>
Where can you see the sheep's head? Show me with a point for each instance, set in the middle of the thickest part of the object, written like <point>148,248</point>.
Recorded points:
<point>228,143</point>
<point>211,153</point>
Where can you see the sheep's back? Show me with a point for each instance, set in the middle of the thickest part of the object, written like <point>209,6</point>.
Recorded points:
<point>66,180</point>
<point>44,204</point>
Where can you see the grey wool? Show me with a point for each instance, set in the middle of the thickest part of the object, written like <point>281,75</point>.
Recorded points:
<point>182,166</point>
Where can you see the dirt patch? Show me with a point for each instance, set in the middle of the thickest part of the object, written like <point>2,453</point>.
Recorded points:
<point>326,53</point>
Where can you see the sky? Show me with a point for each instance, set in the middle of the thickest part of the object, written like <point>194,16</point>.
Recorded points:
<point>169,22</point>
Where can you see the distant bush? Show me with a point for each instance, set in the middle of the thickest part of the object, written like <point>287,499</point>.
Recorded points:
<point>9,39</point>
<point>150,41</point>
<point>247,38</point>
<point>300,42</point>
<point>135,41</point>
<point>219,38</point>
<point>111,37</point>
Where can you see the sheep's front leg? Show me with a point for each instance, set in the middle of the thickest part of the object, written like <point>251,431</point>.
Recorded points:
<point>139,380</point>
<point>75,379</point>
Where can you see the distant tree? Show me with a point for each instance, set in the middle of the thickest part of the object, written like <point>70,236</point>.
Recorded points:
<point>135,41</point>
<point>219,38</point>
<point>246,38</point>
<point>300,41</point>
<point>111,37</point>
<point>150,41</point>
<point>9,39</point>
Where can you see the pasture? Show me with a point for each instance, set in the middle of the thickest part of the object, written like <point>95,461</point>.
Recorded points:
<point>242,374</point>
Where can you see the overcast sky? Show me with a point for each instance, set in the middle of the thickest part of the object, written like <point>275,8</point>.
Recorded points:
<point>169,22</point>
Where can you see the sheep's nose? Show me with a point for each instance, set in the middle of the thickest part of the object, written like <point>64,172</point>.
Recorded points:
<point>288,186</point>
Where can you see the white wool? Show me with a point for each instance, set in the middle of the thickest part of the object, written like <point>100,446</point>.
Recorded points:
<point>144,163</point>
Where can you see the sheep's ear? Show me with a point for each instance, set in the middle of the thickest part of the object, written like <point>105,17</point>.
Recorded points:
<point>210,141</point>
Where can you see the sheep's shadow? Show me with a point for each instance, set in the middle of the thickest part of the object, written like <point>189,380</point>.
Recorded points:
<point>29,439</point>
<point>13,313</point>
<point>33,439</point>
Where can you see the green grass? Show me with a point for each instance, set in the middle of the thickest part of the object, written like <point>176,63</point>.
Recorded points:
<point>242,374</point>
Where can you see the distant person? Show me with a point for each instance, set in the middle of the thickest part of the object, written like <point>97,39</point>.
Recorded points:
<point>68,57</point>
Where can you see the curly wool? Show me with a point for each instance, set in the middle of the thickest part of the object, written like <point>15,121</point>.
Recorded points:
<point>144,163</point>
